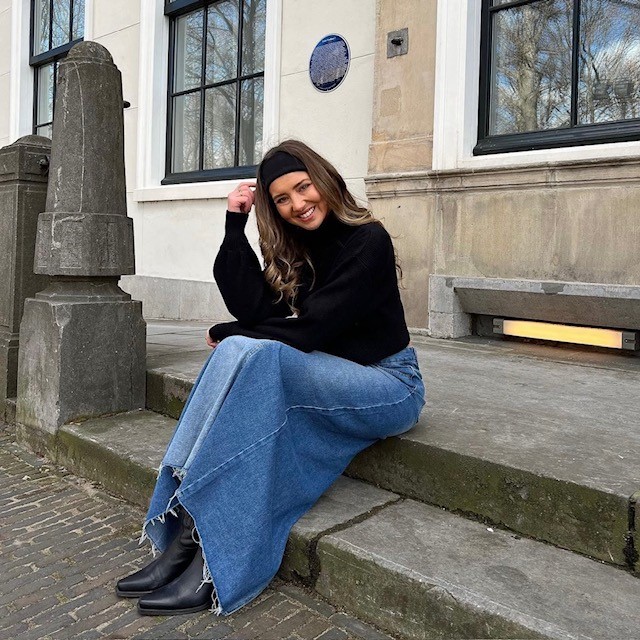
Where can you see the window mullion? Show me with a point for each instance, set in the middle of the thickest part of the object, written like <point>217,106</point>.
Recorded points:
<point>50,24</point>
<point>205,27</point>
<point>236,151</point>
<point>575,63</point>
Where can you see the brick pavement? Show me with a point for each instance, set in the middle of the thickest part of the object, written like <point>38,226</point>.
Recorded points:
<point>64,543</point>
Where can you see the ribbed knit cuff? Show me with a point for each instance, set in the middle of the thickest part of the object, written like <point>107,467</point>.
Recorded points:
<point>235,223</point>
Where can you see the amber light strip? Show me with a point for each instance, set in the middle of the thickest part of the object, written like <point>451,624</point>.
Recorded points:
<point>610,338</point>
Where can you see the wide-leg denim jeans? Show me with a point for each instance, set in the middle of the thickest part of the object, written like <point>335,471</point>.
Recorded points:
<point>266,430</point>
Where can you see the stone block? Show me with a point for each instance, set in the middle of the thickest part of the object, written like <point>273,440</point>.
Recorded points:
<point>438,575</point>
<point>23,183</point>
<point>449,325</point>
<point>80,357</point>
<point>347,501</point>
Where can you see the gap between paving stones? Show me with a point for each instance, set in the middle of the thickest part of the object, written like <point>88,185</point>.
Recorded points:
<point>312,545</point>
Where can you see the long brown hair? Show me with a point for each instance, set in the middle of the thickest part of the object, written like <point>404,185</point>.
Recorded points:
<point>284,256</point>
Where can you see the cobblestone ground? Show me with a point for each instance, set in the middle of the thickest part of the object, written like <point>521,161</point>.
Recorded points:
<point>64,543</point>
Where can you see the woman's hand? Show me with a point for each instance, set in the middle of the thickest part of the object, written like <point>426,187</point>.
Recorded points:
<point>241,199</point>
<point>210,341</point>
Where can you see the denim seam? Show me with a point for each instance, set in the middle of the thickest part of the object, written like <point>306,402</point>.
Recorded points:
<point>273,433</point>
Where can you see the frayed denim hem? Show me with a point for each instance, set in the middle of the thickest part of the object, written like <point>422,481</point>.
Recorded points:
<point>174,502</point>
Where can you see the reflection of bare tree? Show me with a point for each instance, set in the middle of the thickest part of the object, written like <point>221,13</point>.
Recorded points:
<point>532,59</point>
<point>532,64</point>
<point>609,61</point>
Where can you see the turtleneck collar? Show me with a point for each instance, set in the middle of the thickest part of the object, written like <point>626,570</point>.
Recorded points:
<point>330,230</point>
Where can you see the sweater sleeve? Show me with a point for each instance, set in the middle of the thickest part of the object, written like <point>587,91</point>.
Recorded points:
<point>348,294</point>
<point>240,278</point>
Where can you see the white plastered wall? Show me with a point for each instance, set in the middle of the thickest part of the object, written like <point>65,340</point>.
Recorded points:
<point>6,42</point>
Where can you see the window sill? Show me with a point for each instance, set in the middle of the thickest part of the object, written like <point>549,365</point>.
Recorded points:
<point>192,191</point>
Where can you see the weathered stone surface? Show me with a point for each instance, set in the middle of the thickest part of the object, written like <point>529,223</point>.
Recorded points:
<point>23,184</point>
<point>546,448</point>
<point>441,576</point>
<point>82,354</point>
<point>85,230</point>
<point>83,349</point>
<point>347,501</point>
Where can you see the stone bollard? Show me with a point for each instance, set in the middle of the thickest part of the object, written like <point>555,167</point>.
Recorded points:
<point>82,339</point>
<point>23,189</point>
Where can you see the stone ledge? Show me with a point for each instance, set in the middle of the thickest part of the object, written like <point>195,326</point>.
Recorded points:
<point>453,299</point>
<point>437,575</point>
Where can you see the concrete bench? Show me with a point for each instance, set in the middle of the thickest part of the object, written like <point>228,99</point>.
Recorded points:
<point>454,300</point>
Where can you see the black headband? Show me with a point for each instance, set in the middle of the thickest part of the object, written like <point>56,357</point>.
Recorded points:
<point>278,165</point>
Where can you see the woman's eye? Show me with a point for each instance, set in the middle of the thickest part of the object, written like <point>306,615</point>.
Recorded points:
<point>304,187</point>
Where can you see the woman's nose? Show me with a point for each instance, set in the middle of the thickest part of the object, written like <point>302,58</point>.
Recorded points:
<point>297,202</point>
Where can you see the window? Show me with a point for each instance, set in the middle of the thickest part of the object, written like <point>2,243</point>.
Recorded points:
<point>557,73</point>
<point>56,25</point>
<point>216,89</point>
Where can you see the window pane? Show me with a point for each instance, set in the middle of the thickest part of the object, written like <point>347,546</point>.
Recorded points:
<point>188,56</point>
<point>252,100</point>
<point>253,35</point>
<point>186,133</point>
<point>61,21</point>
<point>45,94</point>
<point>78,19</point>
<point>609,85</point>
<point>41,26</point>
<point>222,42</point>
<point>45,130</point>
<point>531,68</point>
<point>219,127</point>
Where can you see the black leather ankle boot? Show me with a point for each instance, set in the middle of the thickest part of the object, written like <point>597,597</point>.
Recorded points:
<point>175,559</point>
<point>183,595</point>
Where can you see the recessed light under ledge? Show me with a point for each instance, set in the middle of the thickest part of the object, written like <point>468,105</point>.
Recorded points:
<point>591,336</point>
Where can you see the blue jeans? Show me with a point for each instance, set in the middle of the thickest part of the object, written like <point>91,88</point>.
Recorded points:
<point>266,430</point>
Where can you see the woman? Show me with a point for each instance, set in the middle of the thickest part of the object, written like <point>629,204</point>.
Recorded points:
<point>315,368</point>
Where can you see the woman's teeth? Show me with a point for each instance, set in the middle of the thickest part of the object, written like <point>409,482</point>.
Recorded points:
<point>307,214</point>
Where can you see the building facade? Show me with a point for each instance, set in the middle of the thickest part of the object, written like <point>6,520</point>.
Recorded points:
<point>495,139</point>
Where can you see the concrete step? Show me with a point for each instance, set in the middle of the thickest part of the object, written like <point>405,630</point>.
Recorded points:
<point>415,570</point>
<point>542,442</point>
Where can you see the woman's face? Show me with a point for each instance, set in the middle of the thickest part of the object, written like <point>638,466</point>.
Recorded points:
<point>298,201</point>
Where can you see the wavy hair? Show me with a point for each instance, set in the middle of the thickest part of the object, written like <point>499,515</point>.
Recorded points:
<point>284,255</point>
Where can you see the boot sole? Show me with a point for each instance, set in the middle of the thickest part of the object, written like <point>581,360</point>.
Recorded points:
<point>131,594</point>
<point>172,612</point>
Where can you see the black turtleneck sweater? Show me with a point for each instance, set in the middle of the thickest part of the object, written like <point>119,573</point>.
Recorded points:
<point>353,310</point>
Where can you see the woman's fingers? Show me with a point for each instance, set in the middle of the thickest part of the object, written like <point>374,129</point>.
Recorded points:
<point>210,341</point>
<point>242,198</point>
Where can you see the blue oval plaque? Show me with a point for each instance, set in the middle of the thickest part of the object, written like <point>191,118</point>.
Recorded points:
<point>329,62</point>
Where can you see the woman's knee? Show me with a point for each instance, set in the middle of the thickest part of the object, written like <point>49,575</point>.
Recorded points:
<point>241,345</point>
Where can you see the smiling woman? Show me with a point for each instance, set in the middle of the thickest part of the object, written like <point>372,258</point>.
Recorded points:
<point>315,368</point>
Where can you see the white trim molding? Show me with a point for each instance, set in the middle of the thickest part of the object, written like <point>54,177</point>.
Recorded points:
<point>21,85</point>
<point>152,109</point>
<point>456,101</point>
<point>22,76</point>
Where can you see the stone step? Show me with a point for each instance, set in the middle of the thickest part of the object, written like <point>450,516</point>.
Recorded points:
<point>539,441</point>
<point>415,570</point>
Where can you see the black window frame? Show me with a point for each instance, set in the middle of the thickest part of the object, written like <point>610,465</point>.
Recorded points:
<point>37,61</point>
<point>173,10</point>
<point>574,135</point>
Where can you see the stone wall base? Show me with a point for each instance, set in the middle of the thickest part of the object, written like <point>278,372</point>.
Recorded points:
<point>79,359</point>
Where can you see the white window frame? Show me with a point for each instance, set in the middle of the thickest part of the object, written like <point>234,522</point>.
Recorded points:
<point>22,74</point>
<point>456,101</point>
<point>152,108</point>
